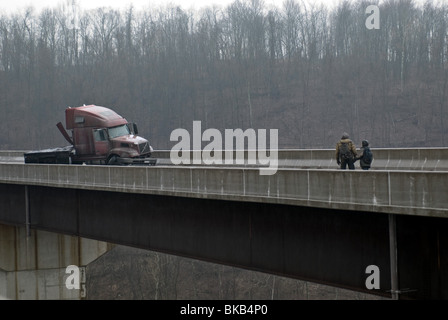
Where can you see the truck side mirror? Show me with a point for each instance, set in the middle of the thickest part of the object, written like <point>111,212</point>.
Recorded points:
<point>132,127</point>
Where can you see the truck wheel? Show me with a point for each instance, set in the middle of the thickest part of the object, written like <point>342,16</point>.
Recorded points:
<point>113,160</point>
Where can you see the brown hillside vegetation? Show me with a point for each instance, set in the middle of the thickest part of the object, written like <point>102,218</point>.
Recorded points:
<point>310,72</point>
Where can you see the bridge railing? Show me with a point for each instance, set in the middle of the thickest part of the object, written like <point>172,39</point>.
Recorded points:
<point>428,159</point>
<point>384,158</point>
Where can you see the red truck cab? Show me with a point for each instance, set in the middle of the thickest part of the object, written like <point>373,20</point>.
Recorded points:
<point>101,135</point>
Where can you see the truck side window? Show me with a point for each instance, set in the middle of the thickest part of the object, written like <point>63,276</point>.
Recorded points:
<point>79,119</point>
<point>99,134</point>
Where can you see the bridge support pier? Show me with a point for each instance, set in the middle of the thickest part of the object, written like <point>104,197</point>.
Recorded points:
<point>33,264</point>
<point>393,256</point>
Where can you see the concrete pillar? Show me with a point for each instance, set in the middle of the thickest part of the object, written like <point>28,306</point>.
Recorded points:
<point>34,267</point>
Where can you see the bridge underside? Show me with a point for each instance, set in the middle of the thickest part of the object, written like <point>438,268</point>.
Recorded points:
<point>327,246</point>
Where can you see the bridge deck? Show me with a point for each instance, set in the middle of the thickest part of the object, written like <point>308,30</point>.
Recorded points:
<point>427,159</point>
<point>409,192</point>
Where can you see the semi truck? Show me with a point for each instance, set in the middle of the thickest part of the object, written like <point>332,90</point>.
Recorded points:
<point>98,136</point>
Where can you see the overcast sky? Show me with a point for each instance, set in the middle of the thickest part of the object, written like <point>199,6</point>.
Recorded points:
<point>7,6</point>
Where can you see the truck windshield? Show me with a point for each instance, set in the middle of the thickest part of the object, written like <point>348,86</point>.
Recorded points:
<point>119,131</point>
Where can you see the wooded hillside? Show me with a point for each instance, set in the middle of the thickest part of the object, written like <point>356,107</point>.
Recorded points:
<point>308,71</point>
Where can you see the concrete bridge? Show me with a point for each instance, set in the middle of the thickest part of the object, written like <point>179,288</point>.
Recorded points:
<point>308,221</point>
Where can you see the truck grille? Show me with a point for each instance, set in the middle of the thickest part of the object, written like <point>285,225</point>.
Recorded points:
<point>143,147</point>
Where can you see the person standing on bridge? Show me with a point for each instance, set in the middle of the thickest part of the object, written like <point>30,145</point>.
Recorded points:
<point>365,159</point>
<point>346,152</point>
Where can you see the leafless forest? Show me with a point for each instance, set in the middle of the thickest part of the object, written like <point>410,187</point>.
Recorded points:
<point>306,70</point>
<point>127,273</point>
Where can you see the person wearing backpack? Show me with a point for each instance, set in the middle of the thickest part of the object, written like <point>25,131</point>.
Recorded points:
<point>365,160</point>
<point>346,152</point>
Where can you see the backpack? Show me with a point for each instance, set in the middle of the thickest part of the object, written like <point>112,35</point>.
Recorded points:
<point>344,151</point>
<point>367,156</point>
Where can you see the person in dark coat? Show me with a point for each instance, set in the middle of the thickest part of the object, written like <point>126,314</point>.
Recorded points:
<point>365,159</point>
